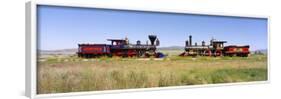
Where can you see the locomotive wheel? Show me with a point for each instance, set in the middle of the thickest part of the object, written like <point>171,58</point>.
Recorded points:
<point>218,53</point>
<point>207,53</point>
<point>146,55</point>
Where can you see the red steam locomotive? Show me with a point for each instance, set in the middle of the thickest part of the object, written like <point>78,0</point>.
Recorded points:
<point>216,48</point>
<point>121,47</point>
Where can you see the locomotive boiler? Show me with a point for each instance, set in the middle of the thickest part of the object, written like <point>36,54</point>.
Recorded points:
<point>215,48</point>
<point>122,48</point>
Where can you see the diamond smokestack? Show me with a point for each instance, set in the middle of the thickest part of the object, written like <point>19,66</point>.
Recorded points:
<point>152,38</point>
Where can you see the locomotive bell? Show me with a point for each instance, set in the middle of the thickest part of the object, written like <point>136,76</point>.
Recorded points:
<point>152,38</point>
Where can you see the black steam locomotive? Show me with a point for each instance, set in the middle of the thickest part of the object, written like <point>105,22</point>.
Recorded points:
<point>121,47</point>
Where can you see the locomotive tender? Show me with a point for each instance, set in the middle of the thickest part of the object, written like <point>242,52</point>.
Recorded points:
<point>121,47</point>
<point>216,48</point>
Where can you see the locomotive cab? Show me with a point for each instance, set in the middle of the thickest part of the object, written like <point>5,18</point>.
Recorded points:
<point>218,44</point>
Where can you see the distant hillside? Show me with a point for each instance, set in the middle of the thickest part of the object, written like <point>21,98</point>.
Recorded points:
<point>62,51</point>
<point>171,48</point>
<point>263,51</point>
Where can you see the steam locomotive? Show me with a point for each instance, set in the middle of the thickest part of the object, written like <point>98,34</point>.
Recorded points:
<point>121,47</point>
<point>216,48</point>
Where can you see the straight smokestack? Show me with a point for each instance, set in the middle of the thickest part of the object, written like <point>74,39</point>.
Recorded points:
<point>190,40</point>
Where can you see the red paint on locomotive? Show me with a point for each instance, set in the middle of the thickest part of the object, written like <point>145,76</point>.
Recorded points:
<point>216,48</point>
<point>91,50</point>
<point>121,47</point>
<point>234,50</point>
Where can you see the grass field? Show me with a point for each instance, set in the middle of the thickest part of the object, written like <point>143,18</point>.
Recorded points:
<point>57,74</point>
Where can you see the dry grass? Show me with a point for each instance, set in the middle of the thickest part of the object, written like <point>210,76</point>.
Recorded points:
<point>56,75</point>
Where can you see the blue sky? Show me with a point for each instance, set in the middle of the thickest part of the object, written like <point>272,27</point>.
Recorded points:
<point>65,27</point>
